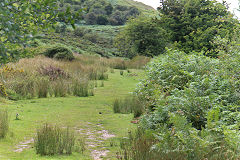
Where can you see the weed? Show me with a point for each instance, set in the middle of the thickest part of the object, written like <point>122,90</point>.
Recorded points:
<point>4,125</point>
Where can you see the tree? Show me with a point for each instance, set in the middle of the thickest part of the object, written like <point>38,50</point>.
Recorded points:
<point>22,19</point>
<point>109,9</point>
<point>142,36</point>
<point>117,18</point>
<point>194,24</point>
<point>102,20</point>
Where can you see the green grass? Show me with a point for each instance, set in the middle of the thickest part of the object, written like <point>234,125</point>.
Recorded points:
<point>145,9</point>
<point>78,112</point>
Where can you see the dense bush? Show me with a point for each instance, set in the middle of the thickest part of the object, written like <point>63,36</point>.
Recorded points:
<point>193,107</point>
<point>52,140</point>
<point>190,84</point>
<point>59,52</point>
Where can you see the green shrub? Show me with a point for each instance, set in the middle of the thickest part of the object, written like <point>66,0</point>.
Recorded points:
<point>79,31</point>
<point>193,103</point>
<point>59,52</point>
<point>4,124</point>
<point>52,140</point>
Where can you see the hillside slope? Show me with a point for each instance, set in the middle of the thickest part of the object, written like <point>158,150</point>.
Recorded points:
<point>141,6</point>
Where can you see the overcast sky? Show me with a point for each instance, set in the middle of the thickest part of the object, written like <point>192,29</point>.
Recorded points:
<point>233,4</point>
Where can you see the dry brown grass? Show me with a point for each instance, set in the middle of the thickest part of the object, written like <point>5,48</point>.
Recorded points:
<point>43,77</point>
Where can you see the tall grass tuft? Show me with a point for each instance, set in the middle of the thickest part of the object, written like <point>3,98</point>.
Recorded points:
<point>59,88</point>
<point>52,140</point>
<point>80,88</point>
<point>129,105</point>
<point>4,125</point>
<point>138,146</point>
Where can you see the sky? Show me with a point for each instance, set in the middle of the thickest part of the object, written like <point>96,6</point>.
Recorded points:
<point>233,4</point>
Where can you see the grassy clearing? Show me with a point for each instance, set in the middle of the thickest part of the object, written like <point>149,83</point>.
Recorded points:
<point>81,113</point>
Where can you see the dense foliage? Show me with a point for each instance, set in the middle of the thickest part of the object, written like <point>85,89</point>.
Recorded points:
<point>195,24</point>
<point>21,20</point>
<point>142,36</point>
<point>102,12</point>
<point>193,106</point>
<point>187,25</point>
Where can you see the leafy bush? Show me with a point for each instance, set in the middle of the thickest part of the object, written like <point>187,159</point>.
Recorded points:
<point>193,105</point>
<point>52,140</point>
<point>59,52</point>
<point>4,124</point>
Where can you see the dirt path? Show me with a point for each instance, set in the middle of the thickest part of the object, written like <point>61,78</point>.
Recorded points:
<point>24,145</point>
<point>95,138</point>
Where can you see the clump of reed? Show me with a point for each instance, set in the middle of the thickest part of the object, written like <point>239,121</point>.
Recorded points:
<point>52,140</point>
<point>130,104</point>
<point>4,123</point>
<point>138,146</point>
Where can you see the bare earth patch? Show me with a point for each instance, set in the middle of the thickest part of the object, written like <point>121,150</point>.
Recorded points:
<point>95,139</point>
<point>24,145</point>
